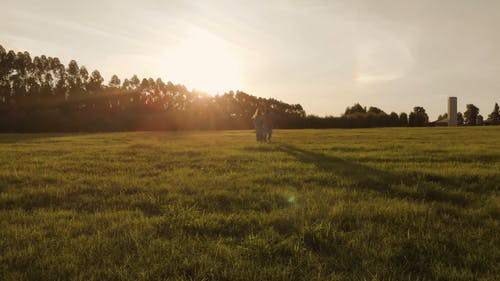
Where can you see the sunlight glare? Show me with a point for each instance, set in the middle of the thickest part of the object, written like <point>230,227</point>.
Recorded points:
<point>204,62</point>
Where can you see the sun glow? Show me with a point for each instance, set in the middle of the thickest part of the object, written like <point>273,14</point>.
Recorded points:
<point>204,62</point>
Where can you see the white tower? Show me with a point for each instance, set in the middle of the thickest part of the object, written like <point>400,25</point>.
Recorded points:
<point>452,111</point>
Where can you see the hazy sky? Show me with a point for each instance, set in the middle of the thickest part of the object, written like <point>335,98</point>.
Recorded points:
<point>325,55</point>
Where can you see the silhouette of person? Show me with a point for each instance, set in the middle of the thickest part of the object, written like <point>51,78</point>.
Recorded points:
<point>268,125</point>
<point>258,120</point>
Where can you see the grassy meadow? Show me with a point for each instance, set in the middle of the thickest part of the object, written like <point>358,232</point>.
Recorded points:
<point>364,204</point>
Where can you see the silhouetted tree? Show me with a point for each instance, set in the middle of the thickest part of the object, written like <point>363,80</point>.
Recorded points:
<point>494,117</point>
<point>135,82</point>
<point>356,108</point>
<point>95,82</point>
<point>471,115</point>
<point>374,110</point>
<point>418,118</point>
<point>460,119</point>
<point>114,82</point>
<point>403,119</point>
<point>444,116</point>
<point>394,119</point>
<point>479,120</point>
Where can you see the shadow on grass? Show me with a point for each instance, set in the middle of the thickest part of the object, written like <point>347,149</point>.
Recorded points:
<point>398,185</point>
<point>18,138</point>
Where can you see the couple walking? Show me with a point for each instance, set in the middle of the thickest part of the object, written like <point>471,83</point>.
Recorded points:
<point>264,122</point>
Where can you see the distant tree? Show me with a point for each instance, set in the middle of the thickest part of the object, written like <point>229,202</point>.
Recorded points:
<point>356,108</point>
<point>4,72</point>
<point>60,89</point>
<point>47,85</point>
<point>418,118</point>
<point>460,119</point>
<point>403,119</point>
<point>394,119</point>
<point>144,83</point>
<point>494,117</point>
<point>126,84</point>
<point>479,120</point>
<point>471,115</point>
<point>375,110</point>
<point>84,76</point>
<point>114,82</point>
<point>135,82</point>
<point>444,116</point>
<point>95,82</point>
<point>73,79</point>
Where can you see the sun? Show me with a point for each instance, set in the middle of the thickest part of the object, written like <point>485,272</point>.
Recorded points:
<point>204,62</point>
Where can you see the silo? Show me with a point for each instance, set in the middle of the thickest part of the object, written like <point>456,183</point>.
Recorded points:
<point>452,111</point>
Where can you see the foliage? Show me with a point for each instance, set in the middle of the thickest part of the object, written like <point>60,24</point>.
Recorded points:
<point>494,116</point>
<point>418,118</point>
<point>460,119</point>
<point>43,95</point>
<point>471,115</point>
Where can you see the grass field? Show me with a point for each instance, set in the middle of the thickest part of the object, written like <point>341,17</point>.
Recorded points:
<point>373,204</point>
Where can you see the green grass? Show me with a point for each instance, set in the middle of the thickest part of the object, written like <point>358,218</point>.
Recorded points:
<point>373,204</point>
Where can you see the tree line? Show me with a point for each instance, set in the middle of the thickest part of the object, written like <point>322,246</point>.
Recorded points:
<point>41,94</point>
<point>471,116</point>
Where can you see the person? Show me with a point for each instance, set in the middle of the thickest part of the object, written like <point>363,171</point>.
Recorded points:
<point>268,125</point>
<point>258,120</point>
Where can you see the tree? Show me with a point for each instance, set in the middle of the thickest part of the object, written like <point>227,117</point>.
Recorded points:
<point>73,79</point>
<point>135,82</point>
<point>418,118</point>
<point>494,117</point>
<point>479,120</point>
<point>4,72</point>
<point>356,108</point>
<point>460,119</point>
<point>394,119</point>
<point>95,82</point>
<point>403,119</point>
<point>114,82</point>
<point>444,116</point>
<point>375,110</point>
<point>126,84</point>
<point>471,115</point>
<point>84,76</point>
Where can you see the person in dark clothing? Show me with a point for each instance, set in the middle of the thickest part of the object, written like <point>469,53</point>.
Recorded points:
<point>268,125</point>
<point>258,120</point>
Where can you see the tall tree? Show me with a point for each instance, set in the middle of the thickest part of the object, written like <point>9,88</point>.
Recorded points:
<point>471,115</point>
<point>403,119</point>
<point>4,72</point>
<point>356,108</point>
<point>115,82</point>
<point>375,110</point>
<point>394,119</point>
<point>95,82</point>
<point>73,79</point>
<point>135,82</point>
<point>494,117</point>
<point>460,119</point>
<point>84,76</point>
<point>479,120</point>
<point>418,118</point>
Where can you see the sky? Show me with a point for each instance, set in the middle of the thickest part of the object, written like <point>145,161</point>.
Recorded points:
<point>325,55</point>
